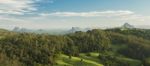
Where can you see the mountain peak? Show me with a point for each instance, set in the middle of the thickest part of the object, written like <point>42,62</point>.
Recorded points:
<point>127,26</point>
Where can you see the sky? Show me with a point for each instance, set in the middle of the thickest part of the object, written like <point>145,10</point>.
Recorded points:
<point>55,14</point>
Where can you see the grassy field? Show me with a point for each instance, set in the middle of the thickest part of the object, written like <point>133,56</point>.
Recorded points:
<point>90,59</point>
<point>76,61</point>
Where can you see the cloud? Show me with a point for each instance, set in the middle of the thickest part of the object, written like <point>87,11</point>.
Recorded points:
<point>119,15</point>
<point>18,7</point>
<point>45,1</point>
<point>8,22</point>
<point>90,14</point>
<point>64,19</point>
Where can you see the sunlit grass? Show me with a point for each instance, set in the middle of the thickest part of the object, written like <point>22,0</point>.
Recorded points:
<point>76,61</point>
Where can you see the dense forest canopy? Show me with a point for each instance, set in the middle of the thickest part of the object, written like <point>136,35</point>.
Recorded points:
<point>115,47</point>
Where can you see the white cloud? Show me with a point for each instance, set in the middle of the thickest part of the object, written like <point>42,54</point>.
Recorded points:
<point>18,7</point>
<point>90,14</point>
<point>64,19</point>
<point>120,15</point>
<point>45,1</point>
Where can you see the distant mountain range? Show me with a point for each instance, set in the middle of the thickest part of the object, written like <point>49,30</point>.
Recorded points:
<point>53,31</point>
<point>73,29</point>
<point>40,31</point>
<point>127,26</point>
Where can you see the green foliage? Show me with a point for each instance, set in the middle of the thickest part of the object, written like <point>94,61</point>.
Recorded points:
<point>109,59</point>
<point>95,40</point>
<point>32,49</point>
<point>146,62</point>
<point>113,47</point>
<point>144,33</point>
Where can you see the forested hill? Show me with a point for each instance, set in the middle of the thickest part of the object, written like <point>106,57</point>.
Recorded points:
<point>111,47</point>
<point>144,33</point>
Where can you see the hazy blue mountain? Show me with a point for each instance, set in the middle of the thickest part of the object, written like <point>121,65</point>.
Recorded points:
<point>40,31</point>
<point>74,29</point>
<point>127,26</point>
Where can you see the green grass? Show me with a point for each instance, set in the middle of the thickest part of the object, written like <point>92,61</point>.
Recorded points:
<point>93,56</point>
<point>76,61</point>
<point>90,59</point>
